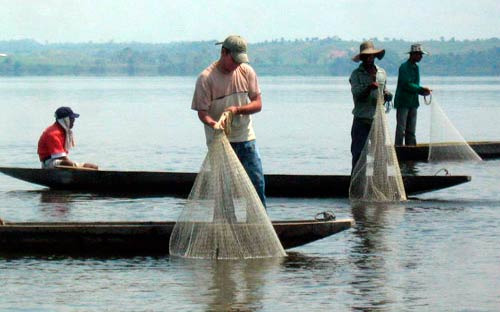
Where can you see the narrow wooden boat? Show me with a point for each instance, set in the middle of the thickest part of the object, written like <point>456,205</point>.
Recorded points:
<point>180,183</point>
<point>133,238</point>
<point>420,152</point>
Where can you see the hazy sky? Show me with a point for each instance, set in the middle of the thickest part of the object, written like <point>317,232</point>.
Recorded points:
<point>257,20</point>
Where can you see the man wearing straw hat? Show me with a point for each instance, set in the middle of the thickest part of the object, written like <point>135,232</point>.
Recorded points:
<point>230,84</point>
<point>406,99</point>
<point>365,82</point>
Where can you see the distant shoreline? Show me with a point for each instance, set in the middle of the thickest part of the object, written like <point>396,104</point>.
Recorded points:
<point>310,57</point>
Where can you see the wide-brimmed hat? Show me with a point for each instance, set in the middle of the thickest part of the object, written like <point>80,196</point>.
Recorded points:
<point>417,48</point>
<point>237,46</point>
<point>367,47</point>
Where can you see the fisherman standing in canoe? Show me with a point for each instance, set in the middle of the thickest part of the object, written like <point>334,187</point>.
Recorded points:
<point>406,99</point>
<point>365,81</point>
<point>230,84</point>
<point>56,141</point>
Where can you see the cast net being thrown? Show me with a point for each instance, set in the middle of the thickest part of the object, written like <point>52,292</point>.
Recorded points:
<point>446,143</point>
<point>376,177</point>
<point>224,217</point>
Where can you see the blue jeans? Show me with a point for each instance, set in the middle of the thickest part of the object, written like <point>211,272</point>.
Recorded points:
<point>359,134</point>
<point>249,156</point>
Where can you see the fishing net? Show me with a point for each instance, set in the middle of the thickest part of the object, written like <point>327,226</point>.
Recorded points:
<point>446,143</point>
<point>224,217</point>
<point>376,177</point>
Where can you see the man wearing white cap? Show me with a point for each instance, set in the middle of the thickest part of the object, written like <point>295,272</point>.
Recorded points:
<point>406,99</point>
<point>230,84</point>
<point>365,81</point>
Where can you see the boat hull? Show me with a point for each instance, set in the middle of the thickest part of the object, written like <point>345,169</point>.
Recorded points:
<point>179,183</point>
<point>133,238</point>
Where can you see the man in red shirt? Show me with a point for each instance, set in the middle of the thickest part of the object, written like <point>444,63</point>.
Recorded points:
<point>56,141</point>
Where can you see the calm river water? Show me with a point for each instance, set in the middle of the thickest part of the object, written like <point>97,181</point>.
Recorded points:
<point>437,252</point>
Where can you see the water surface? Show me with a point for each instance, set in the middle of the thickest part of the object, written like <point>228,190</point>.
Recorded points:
<point>438,251</point>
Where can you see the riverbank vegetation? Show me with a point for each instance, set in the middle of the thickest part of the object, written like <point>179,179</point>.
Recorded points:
<point>307,57</point>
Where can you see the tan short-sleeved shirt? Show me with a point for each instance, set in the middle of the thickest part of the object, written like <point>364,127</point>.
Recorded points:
<point>215,91</point>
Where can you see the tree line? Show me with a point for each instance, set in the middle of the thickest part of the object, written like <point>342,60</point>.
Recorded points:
<point>310,56</point>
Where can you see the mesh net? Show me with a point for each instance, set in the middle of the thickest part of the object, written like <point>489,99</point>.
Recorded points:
<point>446,143</point>
<point>376,177</point>
<point>224,217</point>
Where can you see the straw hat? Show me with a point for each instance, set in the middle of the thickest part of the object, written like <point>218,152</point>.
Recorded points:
<point>367,47</point>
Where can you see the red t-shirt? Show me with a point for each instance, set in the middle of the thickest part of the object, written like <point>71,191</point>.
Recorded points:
<point>51,143</point>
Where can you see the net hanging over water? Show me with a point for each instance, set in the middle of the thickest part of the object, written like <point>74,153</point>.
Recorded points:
<point>446,143</point>
<point>224,217</point>
<point>376,177</point>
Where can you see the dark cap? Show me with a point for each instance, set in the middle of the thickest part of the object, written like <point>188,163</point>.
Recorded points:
<point>65,111</point>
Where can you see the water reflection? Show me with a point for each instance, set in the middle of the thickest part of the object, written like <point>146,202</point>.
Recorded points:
<point>370,252</point>
<point>409,168</point>
<point>84,195</point>
<point>296,260</point>
<point>229,285</point>
<point>55,197</point>
<point>55,204</point>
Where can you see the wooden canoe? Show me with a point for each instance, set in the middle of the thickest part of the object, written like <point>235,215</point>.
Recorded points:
<point>420,152</point>
<point>180,183</point>
<point>133,238</point>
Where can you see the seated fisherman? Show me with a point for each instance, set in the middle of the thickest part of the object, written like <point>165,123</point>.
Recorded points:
<point>56,141</point>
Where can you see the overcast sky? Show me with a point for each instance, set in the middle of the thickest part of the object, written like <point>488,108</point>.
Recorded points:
<point>257,20</point>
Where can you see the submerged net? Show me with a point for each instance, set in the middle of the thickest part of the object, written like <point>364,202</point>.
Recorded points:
<point>224,217</point>
<point>376,177</point>
<point>446,143</point>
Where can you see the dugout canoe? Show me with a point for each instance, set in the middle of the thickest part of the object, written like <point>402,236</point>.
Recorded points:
<point>133,238</point>
<point>420,152</point>
<point>179,183</point>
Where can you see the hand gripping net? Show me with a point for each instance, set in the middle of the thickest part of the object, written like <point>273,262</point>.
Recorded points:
<point>224,217</point>
<point>376,177</point>
<point>446,143</point>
